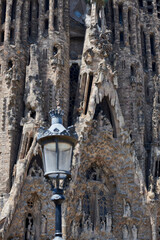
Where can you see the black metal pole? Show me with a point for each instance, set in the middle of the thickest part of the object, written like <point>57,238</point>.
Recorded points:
<point>58,198</point>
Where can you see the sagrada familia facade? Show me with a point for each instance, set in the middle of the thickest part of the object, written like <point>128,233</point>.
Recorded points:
<point>99,61</point>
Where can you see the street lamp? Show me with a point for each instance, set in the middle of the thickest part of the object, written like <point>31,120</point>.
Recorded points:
<point>57,144</point>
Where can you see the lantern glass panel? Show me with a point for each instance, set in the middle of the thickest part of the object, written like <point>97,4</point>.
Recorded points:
<point>65,156</point>
<point>50,157</point>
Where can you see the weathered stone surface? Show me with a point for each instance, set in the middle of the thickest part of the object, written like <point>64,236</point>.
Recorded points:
<point>111,95</point>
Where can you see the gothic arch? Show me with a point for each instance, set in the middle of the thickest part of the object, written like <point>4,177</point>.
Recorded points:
<point>105,86</point>
<point>105,109</point>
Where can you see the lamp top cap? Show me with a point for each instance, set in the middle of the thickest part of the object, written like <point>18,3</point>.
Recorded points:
<point>56,115</point>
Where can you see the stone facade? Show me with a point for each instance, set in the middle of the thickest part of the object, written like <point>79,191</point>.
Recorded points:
<point>99,62</point>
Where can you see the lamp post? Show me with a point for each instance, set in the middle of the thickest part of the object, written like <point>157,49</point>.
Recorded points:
<point>57,144</point>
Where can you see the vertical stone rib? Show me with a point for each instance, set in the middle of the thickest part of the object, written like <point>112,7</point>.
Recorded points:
<point>86,93</point>
<point>0,19</point>
<point>51,14</point>
<point>93,14</point>
<point>134,35</point>
<point>25,20</point>
<point>8,22</point>
<point>125,20</point>
<point>41,19</point>
<point>116,24</point>
<point>18,22</point>
<point>148,50</point>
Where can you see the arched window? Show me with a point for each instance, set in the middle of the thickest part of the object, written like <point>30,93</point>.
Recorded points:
<point>104,109</point>
<point>30,230</point>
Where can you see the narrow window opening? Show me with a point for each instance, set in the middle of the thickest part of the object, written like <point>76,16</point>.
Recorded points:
<point>46,23</point>
<point>99,19</point>
<point>89,92</point>
<point>13,13</point>
<point>153,67</point>
<point>3,17</point>
<point>143,42</point>
<point>140,3</point>
<point>55,4</point>
<point>145,64</point>
<point>158,8</point>
<point>152,42</point>
<point>130,41</point>
<point>55,23</point>
<point>112,11</point>
<point>121,39</point>
<point>2,36</point>
<point>113,35</point>
<point>157,169</point>
<point>120,9</point>
<point>55,51</point>
<point>30,143</point>
<point>12,36</point>
<point>150,6</point>
<point>29,59</point>
<point>74,74</point>
<point>30,12</point>
<point>29,31</point>
<point>132,71</point>
<point>46,5</point>
<point>129,19</point>
<point>29,226</point>
<point>33,114</point>
<point>159,97</point>
<point>10,64</point>
<point>37,9</point>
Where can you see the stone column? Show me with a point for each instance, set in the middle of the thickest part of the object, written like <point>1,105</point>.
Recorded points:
<point>25,27</point>
<point>134,33</point>
<point>18,22</point>
<point>116,24</point>
<point>93,14</point>
<point>148,52</point>
<point>125,25</point>
<point>51,16</point>
<point>86,93</point>
<point>0,19</point>
<point>157,57</point>
<point>41,19</point>
<point>7,22</point>
<point>60,15</point>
